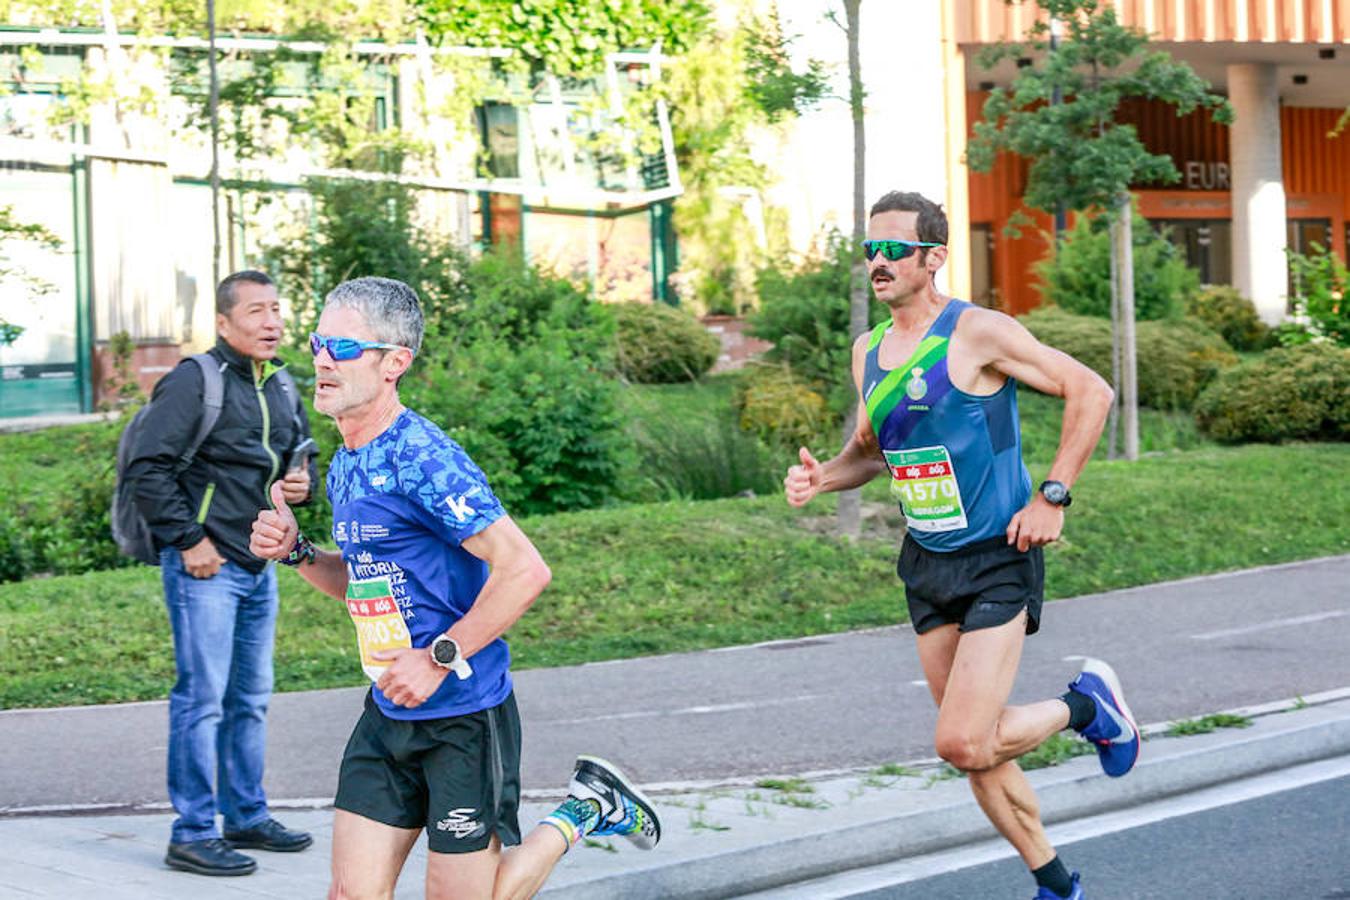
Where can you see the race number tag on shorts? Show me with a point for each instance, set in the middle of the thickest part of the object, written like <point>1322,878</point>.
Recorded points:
<point>379,624</point>
<point>925,484</point>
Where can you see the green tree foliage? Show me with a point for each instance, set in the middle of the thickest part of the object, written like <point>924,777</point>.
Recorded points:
<point>805,313</point>
<point>1080,155</point>
<point>1292,393</point>
<point>1077,278</point>
<point>566,37</point>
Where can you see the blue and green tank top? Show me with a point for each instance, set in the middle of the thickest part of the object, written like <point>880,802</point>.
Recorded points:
<point>955,458</point>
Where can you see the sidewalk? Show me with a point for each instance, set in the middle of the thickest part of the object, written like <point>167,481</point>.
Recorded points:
<point>717,842</point>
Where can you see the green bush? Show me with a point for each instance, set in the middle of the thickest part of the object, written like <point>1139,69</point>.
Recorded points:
<point>1077,278</point>
<point>541,420</point>
<point>1175,360</point>
<point>1321,305</point>
<point>1232,315</point>
<point>658,344</point>
<point>703,460</point>
<point>782,410</point>
<point>1298,392</point>
<point>805,313</point>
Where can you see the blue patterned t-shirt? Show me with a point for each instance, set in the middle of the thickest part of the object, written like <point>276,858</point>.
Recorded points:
<point>402,506</point>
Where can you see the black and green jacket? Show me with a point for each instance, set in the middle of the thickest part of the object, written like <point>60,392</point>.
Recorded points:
<point>220,493</point>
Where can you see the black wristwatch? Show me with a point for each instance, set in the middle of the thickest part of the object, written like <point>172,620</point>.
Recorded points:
<point>445,653</point>
<point>1056,494</point>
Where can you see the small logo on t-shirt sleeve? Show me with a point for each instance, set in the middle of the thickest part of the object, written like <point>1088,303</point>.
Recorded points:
<point>459,505</point>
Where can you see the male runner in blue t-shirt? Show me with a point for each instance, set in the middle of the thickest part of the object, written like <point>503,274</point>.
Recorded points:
<point>938,412</point>
<point>433,572</point>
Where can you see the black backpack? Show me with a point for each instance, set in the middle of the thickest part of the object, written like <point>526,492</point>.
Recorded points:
<point>129,530</point>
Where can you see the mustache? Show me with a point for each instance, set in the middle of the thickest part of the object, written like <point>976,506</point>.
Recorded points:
<point>880,270</point>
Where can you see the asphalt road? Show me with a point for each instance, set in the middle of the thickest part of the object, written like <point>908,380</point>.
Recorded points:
<point>1290,844</point>
<point>826,703</point>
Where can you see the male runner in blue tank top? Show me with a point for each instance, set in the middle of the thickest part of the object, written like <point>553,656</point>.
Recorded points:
<point>938,410</point>
<point>433,572</point>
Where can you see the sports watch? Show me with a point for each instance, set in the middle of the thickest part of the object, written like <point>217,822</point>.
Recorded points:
<point>1055,493</point>
<point>445,653</point>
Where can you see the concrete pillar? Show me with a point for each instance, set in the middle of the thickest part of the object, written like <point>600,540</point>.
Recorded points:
<point>1260,270</point>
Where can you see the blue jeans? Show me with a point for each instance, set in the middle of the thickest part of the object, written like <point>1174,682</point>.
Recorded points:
<point>223,628</point>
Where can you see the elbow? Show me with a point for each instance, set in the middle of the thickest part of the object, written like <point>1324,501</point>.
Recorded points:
<point>541,575</point>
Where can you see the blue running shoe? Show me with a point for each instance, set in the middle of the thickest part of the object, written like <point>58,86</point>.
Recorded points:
<point>1046,894</point>
<point>623,809</point>
<point>1113,729</point>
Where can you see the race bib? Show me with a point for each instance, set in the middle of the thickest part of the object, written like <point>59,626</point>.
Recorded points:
<point>925,484</point>
<point>379,624</point>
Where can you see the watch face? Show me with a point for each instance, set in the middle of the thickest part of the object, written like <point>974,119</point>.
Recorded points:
<point>444,652</point>
<point>1054,491</point>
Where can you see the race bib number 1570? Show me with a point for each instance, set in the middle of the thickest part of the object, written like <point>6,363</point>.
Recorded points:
<point>925,484</point>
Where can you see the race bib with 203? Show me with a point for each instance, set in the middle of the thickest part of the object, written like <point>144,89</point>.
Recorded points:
<point>379,624</point>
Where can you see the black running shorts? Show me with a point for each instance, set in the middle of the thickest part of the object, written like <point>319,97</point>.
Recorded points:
<point>459,778</point>
<point>983,585</point>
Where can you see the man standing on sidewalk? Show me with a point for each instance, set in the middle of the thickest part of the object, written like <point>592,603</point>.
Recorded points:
<point>222,600</point>
<point>937,384</point>
<point>433,572</point>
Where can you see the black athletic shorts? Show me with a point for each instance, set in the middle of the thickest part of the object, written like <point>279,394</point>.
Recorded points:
<point>459,778</point>
<point>983,585</point>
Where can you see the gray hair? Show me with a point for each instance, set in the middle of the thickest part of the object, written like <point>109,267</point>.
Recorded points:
<point>390,308</point>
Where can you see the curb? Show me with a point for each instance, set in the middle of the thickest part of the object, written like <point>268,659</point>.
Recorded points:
<point>1065,792</point>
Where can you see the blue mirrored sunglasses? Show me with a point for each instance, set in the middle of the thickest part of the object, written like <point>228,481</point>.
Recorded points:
<point>343,348</point>
<point>893,249</point>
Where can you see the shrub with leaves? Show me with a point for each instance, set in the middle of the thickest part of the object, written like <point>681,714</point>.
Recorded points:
<point>1077,277</point>
<point>781,409</point>
<point>1176,359</point>
<point>658,344</point>
<point>1232,315</point>
<point>542,421</point>
<point>805,314</point>
<point>1321,304</point>
<point>1290,393</point>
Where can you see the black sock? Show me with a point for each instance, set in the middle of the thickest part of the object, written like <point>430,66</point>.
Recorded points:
<point>1082,709</point>
<point>1054,876</point>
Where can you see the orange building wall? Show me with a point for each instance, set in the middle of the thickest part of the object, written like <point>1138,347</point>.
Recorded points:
<point>1316,176</point>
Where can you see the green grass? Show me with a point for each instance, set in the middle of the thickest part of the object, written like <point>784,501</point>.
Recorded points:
<point>1056,749</point>
<point>680,575</point>
<point>1206,724</point>
<point>36,466</point>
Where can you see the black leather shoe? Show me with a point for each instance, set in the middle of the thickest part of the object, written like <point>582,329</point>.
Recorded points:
<point>270,835</point>
<point>209,857</point>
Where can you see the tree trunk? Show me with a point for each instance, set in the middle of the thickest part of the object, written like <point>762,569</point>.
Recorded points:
<point>1113,423</point>
<point>1129,386</point>
<point>214,103</point>
<point>850,502</point>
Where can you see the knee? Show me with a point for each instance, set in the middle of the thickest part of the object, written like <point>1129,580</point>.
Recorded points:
<point>964,751</point>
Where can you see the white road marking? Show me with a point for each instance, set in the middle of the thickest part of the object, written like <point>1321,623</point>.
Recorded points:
<point>1271,625</point>
<point>859,881</point>
<point>687,711</point>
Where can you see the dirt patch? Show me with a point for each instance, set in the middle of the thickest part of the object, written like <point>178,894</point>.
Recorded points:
<point>880,522</point>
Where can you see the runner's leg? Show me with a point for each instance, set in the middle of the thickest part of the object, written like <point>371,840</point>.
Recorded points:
<point>970,676</point>
<point>367,857</point>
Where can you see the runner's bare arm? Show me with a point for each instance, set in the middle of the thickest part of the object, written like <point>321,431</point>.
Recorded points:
<point>1007,347</point>
<point>517,575</point>
<point>856,464</point>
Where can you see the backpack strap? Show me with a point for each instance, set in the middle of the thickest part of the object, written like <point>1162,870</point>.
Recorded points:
<point>213,399</point>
